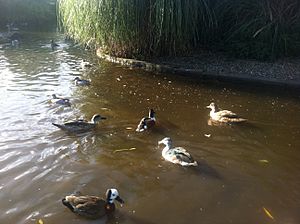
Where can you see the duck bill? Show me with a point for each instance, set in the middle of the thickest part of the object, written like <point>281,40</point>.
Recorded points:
<point>103,118</point>
<point>208,106</point>
<point>120,200</point>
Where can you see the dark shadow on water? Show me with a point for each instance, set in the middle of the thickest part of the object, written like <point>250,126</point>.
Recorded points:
<point>255,87</point>
<point>205,169</point>
<point>160,130</point>
<point>167,124</point>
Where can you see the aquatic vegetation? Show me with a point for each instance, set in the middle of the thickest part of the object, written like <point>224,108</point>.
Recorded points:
<point>143,28</point>
<point>135,28</point>
<point>260,29</point>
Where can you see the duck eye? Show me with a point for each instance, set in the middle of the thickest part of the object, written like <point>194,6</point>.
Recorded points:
<point>113,195</point>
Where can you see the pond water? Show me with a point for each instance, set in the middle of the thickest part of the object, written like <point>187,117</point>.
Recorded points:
<point>244,172</point>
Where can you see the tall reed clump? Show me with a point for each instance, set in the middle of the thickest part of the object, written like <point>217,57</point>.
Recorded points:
<point>261,29</point>
<point>35,13</point>
<point>139,28</point>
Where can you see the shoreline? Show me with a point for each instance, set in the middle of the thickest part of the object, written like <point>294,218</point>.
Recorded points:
<point>208,66</point>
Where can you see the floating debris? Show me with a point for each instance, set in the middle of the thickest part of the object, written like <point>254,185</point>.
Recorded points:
<point>268,213</point>
<point>207,135</point>
<point>129,128</point>
<point>40,221</point>
<point>263,161</point>
<point>124,150</point>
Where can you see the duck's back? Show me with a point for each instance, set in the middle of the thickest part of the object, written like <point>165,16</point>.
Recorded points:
<point>65,102</point>
<point>88,206</point>
<point>181,156</point>
<point>76,126</point>
<point>230,117</point>
<point>226,113</point>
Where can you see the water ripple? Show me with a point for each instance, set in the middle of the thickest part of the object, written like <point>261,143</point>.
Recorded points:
<point>240,166</point>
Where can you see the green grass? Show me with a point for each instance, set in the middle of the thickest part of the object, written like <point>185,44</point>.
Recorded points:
<point>261,29</point>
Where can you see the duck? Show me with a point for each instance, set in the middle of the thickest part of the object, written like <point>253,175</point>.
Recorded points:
<point>85,64</point>
<point>224,116</point>
<point>80,125</point>
<point>15,43</point>
<point>93,207</point>
<point>81,82</point>
<point>146,122</point>
<point>61,101</point>
<point>53,44</point>
<point>176,155</point>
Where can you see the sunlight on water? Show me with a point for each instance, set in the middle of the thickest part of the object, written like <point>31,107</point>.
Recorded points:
<point>242,168</point>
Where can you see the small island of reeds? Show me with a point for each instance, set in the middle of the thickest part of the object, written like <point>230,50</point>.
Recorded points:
<point>140,29</point>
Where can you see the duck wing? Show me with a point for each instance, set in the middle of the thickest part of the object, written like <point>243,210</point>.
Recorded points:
<point>76,126</point>
<point>183,157</point>
<point>63,102</point>
<point>230,117</point>
<point>227,113</point>
<point>83,82</point>
<point>145,123</point>
<point>182,154</point>
<point>86,82</point>
<point>142,125</point>
<point>79,126</point>
<point>89,206</point>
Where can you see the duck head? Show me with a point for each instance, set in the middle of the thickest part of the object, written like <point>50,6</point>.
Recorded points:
<point>15,43</point>
<point>77,79</point>
<point>54,96</point>
<point>152,114</point>
<point>166,141</point>
<point>96,118</point>
<point>213,107</point>
<point>112,195</point>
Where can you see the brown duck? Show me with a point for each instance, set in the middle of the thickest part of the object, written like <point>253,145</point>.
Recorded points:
<point>93,207</point>
<point>80,125</point>
<point>224,116</point>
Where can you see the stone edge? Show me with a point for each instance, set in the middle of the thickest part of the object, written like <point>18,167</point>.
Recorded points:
<point>195,73</point>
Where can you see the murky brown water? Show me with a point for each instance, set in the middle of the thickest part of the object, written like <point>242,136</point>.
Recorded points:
<point>243,169</point>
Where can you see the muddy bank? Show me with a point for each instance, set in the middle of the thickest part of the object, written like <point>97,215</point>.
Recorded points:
<point>284,72</point>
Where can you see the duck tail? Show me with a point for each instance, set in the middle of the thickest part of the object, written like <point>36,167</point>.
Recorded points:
<point>239,120</point>
<point>194,163</point>
<point>67,204</point>
<point>189,163</point>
